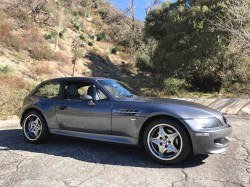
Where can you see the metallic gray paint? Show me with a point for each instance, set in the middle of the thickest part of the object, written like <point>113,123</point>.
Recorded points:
<point>101,122</point>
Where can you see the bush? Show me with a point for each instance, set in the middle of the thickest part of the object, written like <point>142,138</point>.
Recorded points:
<point>31,35</point>
<point>5,69</point>
<point>174,86</point>
<point>115,50</point>
<point>108,51</point>
<point>51,35</point>
<point>43,68</point>
<point>84,37</point>
<point>4,30</point>
<point>74,13</point>
<point>101,36</point>
<point>14,89</point>
<point>63,33</point>
<point>77,23</point>
<point>91,43</point>
<point>13,41</point>
<point>62,57</point>
<point>97,22</point>
<point>41,53</point>
<point>88,71</point>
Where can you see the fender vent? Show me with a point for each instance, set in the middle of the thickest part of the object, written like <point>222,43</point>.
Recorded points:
<point>127,112</point>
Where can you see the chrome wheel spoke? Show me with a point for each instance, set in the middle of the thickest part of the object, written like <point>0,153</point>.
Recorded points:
<point>172,137</point>
<point>35,132</point>
<point>39,127</point>
<point>162,150</point>
<point>172,148</point>
<point>156,142</point>
<point>162,132</point>
<point>36,121</point>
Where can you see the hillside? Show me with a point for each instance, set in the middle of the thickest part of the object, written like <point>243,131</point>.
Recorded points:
<point>179,51</point>
<point>28,52</point>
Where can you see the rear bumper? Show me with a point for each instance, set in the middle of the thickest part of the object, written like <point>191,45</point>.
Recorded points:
<point>210,141</point>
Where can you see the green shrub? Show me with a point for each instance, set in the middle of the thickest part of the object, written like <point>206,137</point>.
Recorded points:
<point>63,33</point>
<point>5,69</point>
<point>101,36</point>
<point>91,43</point>
<point>174,86</point>
<point>108,51</point>
<point>51,35</point>
<point>92,35</point>
<point>115,50</point>
<point>95,49</point>
<point>84,37</point>
<point>74,13</point>
<point>88,71</point>
<point>77,23</point>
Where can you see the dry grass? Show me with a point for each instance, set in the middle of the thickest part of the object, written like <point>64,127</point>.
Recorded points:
<point>44,68</point>
<point>12,90</point>
<point>4,30</point>
<point>62,57</point>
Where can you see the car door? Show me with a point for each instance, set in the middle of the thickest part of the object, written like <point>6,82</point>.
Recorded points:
<point>82,116</point>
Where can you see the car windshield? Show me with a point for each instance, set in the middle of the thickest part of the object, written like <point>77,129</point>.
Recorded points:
<point>118,89</point>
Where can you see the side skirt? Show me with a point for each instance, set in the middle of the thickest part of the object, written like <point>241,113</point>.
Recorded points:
<point>92,136</point>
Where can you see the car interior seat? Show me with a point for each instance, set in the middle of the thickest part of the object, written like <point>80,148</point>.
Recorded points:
<point>72,92</point>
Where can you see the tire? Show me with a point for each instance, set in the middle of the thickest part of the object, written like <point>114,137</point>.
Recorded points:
<point>35,128</point>
<point>166,141</point>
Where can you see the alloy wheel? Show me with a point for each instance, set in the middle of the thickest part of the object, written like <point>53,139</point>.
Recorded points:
<point>32,127</point>
<point>164,142</point>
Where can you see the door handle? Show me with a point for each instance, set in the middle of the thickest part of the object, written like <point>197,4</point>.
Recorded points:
<point>62,107</point>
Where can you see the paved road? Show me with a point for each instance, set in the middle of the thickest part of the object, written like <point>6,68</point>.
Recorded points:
<point>74,162</point>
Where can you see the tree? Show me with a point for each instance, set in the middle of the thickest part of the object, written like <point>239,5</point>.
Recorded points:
<point>236,21</point>
<point>75,52</point>
<point>187,45</point>
<point>35,8</point>
<point>150,5</point>
<point>135,26</point>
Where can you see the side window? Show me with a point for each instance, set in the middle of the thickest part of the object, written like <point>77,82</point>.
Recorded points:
<point>51,91</point>
<point>74,90</point>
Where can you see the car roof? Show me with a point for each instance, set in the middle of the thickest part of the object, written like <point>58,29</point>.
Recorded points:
<point>78,78</point>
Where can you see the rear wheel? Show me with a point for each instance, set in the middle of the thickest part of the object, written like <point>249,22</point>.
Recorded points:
<point>35,128</point>
<point>166,141</point>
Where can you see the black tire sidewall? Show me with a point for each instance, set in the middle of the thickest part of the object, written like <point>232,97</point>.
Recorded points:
<point>44,134</point>
<point>186,147</point>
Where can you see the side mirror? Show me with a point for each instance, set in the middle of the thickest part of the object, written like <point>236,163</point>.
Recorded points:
<point>87,98</point>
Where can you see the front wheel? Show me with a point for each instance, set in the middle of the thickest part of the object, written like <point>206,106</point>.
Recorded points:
<point>34,127</point>
<point>166,141</point>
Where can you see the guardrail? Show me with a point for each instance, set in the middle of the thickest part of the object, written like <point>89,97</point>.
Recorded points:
<point>229,106</point>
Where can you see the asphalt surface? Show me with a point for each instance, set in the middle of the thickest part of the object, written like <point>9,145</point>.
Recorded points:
<point>76,162</point>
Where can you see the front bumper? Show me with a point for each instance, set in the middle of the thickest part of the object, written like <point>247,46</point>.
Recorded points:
<point>209,141</point>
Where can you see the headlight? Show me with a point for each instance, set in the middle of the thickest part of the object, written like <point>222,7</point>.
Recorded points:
<point>209,122</point>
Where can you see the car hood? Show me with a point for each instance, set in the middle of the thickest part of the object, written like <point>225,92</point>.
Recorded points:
<point>184,109</point>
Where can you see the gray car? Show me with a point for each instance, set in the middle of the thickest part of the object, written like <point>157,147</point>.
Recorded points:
<point>109,110</point>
